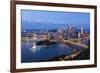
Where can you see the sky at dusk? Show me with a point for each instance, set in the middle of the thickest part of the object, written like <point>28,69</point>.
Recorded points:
<point>32,19</point>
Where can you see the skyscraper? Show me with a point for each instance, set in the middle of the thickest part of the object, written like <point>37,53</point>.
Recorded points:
<point>82,30</point>
<point>79,35</point>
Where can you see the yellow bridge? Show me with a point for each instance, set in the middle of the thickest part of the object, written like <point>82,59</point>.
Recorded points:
<point>75,43</point>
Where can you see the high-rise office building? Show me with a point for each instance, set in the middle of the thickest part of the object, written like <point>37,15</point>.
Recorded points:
<point>82,30</point>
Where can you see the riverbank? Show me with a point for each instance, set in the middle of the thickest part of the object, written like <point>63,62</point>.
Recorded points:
<point>79,55</point>
<point>54,52</point>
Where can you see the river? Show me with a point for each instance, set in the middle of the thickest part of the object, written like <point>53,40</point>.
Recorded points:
<point>39,54</point>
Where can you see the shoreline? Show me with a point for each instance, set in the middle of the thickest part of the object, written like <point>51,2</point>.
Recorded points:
<point>78,55</point>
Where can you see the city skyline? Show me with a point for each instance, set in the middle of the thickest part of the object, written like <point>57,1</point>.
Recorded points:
<point>54,36</point>
<point>53,20</point>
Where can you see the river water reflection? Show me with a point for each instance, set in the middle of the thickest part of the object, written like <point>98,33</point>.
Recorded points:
<point>30,54</point>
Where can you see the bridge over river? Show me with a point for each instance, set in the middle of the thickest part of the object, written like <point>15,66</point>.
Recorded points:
<point>77,42</point>
<point>72,41</point>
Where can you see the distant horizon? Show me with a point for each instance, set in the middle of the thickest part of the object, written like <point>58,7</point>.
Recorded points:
<point>52,29</point>
<point>48,20</point>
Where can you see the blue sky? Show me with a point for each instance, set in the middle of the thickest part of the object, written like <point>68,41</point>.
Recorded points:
<point>32,19</point>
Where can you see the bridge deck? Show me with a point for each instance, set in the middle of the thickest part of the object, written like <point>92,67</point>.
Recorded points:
<point>75,43</point>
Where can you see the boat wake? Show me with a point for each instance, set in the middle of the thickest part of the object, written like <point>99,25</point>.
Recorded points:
<point>36,48</point>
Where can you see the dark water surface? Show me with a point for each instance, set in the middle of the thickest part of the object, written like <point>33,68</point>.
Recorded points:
<point>29,54</point>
